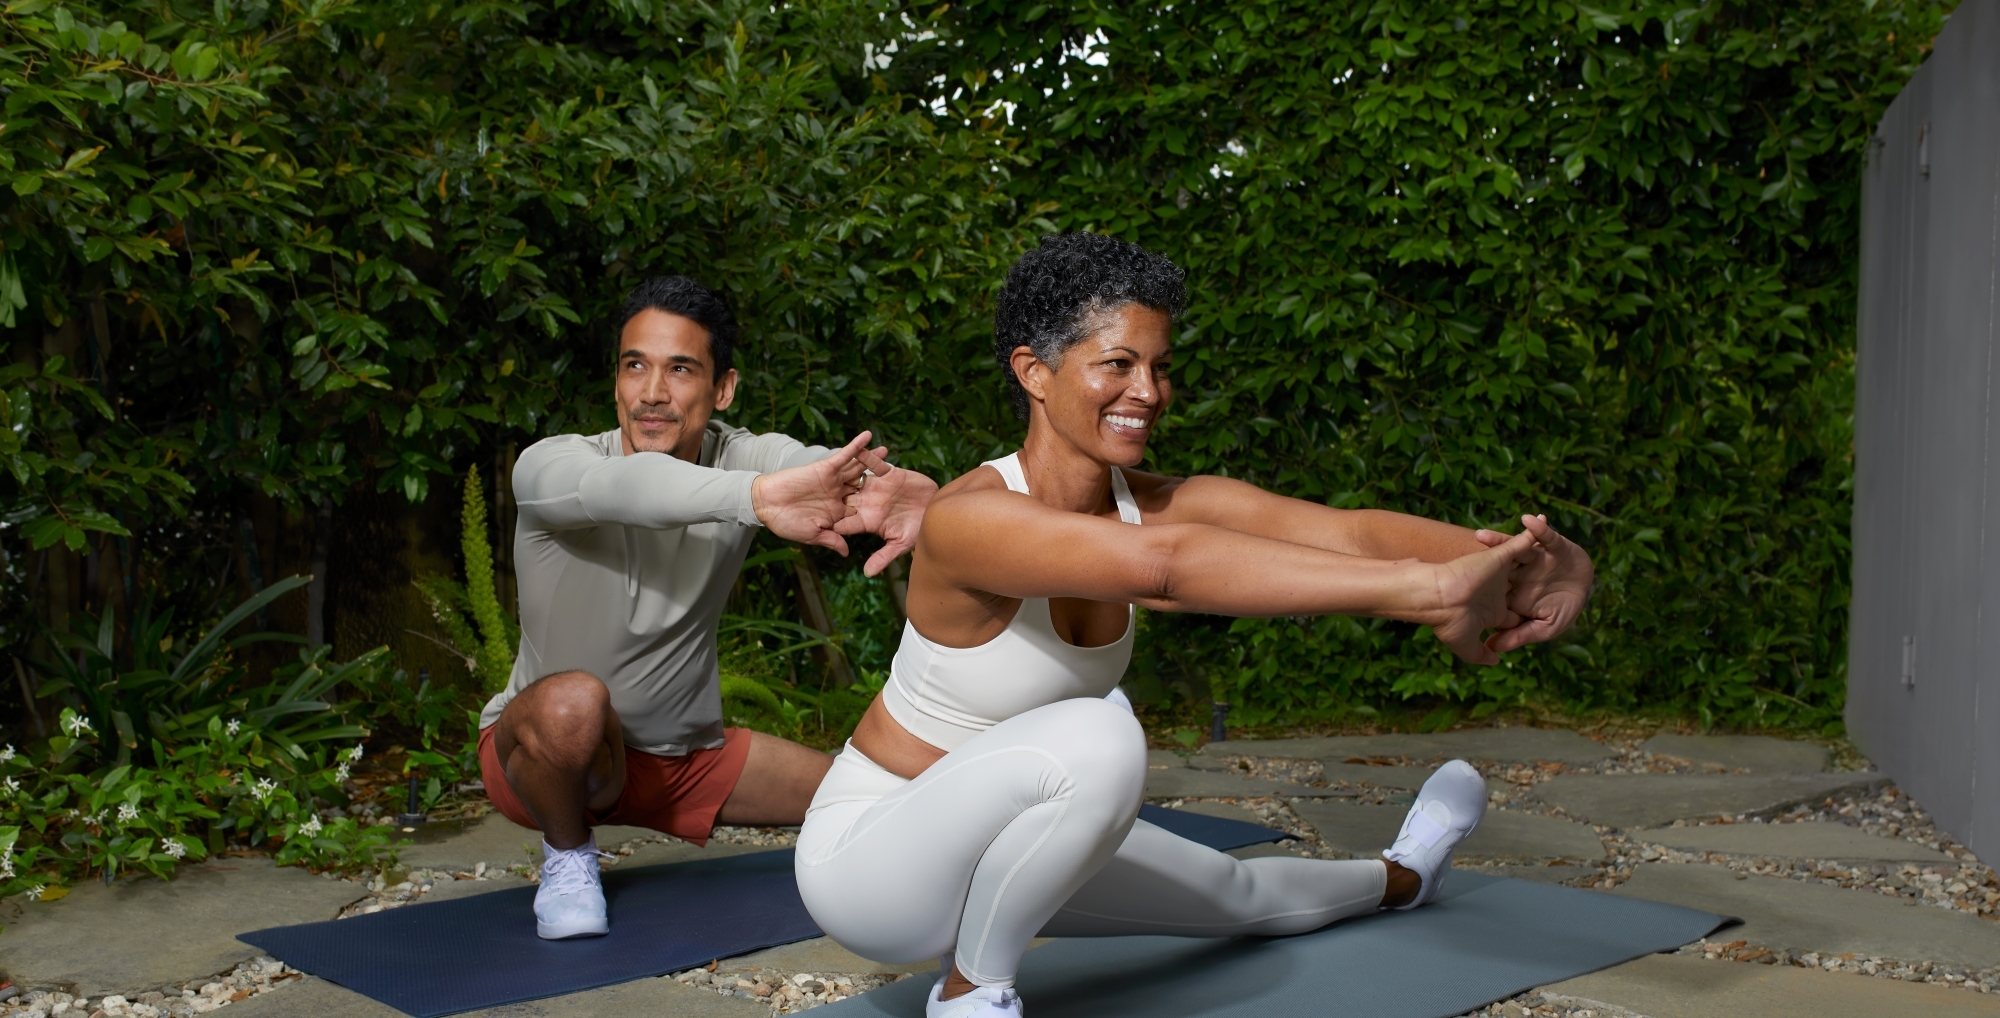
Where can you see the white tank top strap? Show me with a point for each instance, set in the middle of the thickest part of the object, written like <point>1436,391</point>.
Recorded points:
<point>1010,470</point>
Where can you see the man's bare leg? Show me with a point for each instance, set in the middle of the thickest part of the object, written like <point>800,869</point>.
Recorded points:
<point>564,753</point>
<point>777,785</point>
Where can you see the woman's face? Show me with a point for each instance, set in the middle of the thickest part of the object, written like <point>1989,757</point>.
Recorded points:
<point>1112,387</point>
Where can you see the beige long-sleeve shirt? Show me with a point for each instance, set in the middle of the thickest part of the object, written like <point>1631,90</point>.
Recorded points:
<point>624,563</point>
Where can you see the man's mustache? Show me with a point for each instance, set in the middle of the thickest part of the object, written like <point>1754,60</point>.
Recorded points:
<point>656,412</point>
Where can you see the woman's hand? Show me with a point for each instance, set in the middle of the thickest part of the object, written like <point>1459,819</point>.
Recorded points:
<point>1549,592</point>
<point>1472,597</point>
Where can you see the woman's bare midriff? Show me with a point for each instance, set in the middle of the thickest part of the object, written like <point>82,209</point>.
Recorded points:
<point>882,739</point>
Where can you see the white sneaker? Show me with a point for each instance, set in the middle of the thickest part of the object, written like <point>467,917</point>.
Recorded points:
<point>570,902</point>
<point>1447,810</point>
<point>982,1002</point>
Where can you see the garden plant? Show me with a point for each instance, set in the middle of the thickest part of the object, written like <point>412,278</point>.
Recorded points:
<point>272,269</point>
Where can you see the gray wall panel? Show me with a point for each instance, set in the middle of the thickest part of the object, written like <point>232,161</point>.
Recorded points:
<point>1927,484</point>
<point>1966,167</point>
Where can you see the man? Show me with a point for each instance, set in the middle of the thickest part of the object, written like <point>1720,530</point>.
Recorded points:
<point>627,547</point>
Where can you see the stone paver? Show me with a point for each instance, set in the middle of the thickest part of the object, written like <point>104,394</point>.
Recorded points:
<point>1650,800</point>
<point>1760,754</point>
<point>316,998</point>
<point>1671,986</point>
<point>1543,873</point>
<point>1506,745</point>
<point>1799,916</point>
<point>1411,778</point>
<point>1794,841</point>
<point>1192,783</point>
<point>492,839</point>
<point>141,931</point>
<point>1364,831</point>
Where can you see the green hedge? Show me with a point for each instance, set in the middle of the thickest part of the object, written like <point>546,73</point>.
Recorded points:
<point>1472,259</point>
<point>1460,259</point>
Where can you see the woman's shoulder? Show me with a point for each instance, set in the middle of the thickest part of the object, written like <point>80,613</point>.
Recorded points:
<point>979,478</point>
<point>1153,492</point>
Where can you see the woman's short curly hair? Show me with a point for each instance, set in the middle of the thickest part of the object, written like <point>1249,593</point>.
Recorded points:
<point>1056,294</point>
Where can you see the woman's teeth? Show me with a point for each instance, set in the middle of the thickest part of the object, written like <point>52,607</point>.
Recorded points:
<point>1135,423</point>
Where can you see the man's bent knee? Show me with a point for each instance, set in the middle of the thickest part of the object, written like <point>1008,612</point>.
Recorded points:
<point>562,719</point>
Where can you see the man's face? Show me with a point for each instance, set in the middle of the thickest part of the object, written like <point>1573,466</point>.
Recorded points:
<point>666,386</point>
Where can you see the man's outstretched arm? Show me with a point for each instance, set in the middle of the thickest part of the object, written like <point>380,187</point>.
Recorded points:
<point>567,483</point>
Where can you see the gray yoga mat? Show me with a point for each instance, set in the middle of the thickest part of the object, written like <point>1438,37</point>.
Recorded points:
<point>1484,939</point>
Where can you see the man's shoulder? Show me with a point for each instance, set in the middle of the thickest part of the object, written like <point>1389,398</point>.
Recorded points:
<point>603,444</point>
<point>733,448</point>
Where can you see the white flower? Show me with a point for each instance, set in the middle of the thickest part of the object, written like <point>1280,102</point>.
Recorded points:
<point>340,773</point>
<point>13,785</point>
<point>310,828</point>
<point>263,789</point>
<point>95,819</point>
<point>235,725</point>
<point>174,848</point>
<point>7,866</point>
<point>34,891</point>
<point>76,725</point>
<point>7,753</point>
<point>127,813</point>
<point>354,754</point>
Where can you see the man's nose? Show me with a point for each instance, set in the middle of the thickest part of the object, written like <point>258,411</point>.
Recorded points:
<point>656,389</point>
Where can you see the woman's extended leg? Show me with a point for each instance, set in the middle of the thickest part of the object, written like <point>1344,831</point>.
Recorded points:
<point>1159,883</point>
<point>977,853</point>
<point>1163,884</point>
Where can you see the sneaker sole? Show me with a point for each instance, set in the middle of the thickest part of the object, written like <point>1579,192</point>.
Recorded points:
<point>571,931</point>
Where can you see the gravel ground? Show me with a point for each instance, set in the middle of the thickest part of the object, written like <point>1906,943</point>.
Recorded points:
<point>196,996</point>
<point>1535,1004</point>
<point>1982,980</point>
<point>786,992</point>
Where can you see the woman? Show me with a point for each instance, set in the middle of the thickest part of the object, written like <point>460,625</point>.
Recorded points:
<point>989,794</point>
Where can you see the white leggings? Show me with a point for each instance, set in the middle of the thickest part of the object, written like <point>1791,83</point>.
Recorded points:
<point>1028,830</point>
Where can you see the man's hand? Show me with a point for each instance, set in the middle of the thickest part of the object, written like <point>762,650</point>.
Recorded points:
<point>1472,597</point>
<point>1549,590</point>
<point>806,504</point>
<point>891,503</point>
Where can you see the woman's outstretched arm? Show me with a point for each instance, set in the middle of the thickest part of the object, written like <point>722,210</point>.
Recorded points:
<point>1240,506</point>
<point>1550,593</point>
<point>1013,546</point>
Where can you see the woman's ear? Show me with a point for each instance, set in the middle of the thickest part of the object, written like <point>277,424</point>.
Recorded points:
<point>1031,372</point>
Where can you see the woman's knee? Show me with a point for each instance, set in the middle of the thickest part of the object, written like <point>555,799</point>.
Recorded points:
<point>1095,738</point>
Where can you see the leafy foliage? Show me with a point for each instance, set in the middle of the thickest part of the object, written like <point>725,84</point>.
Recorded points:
<point>476,627</point>
<point>219,758</point>
<point>1453,257</point>
<point>1472,259</point>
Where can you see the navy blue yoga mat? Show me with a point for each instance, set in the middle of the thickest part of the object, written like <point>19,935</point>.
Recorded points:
<point>444,957</point>
<point>1215,832</point>
<point>440,958</point>
<point>1484,939</point>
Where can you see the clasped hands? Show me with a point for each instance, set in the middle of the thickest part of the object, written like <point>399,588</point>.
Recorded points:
<point>1529,587</point>
<point>853,491</point>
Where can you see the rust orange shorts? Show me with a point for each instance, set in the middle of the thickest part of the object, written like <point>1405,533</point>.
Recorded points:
<point>678,795</point>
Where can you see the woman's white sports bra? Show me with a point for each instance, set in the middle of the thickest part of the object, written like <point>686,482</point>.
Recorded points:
<point>947,695</point>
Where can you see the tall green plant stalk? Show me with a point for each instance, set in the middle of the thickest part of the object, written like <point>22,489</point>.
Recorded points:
<point>498,634</point>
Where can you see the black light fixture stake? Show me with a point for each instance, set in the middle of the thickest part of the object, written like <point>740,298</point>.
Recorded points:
<point>1218,713</point>
<point>413,814</point>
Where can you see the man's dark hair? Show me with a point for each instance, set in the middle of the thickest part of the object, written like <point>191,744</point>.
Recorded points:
<point>1056,294</point>
<point>697,303</point>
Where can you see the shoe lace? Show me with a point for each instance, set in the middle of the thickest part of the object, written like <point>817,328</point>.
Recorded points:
<point>570,872</point>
